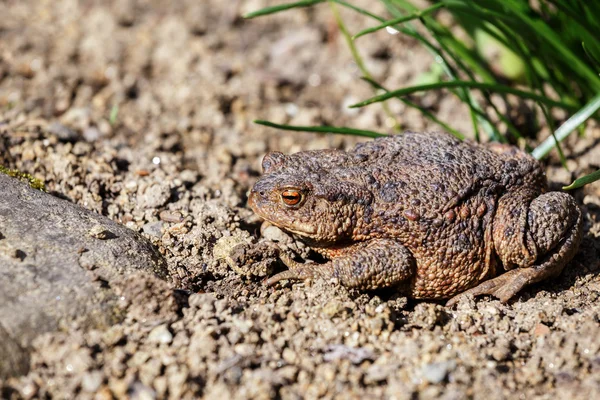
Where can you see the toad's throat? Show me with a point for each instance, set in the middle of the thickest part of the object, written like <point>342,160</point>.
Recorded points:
<point>302,230</point>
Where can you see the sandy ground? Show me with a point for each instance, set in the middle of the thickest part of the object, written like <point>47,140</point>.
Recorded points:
<point>142,111</point>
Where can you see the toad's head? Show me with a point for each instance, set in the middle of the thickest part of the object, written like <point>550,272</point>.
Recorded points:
<point>304,194</point>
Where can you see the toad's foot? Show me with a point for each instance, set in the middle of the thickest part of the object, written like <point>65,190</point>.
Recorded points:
<point>367,265</point>
<point>504,287</point>
<point>302,272</point>
<point>298,271</point>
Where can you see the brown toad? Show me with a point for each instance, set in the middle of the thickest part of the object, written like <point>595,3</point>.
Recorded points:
<point>424,212</point>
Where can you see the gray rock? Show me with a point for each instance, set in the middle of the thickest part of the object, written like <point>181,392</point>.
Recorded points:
<point>91,381</point>
<point>153,229</point>
<point>57,262</point>
<point>438,371</point>
<point>378,373</point>
<point>160,335</point>
<point>139,391</point>
<point>155,196</point>
<point>63,132</point>
<point>356,355</point>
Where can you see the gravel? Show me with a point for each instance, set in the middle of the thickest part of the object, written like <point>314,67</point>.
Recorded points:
<point>142,112</point>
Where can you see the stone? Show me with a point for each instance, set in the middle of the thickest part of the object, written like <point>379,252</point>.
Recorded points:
<point>57,262</point>
<point>438,371</point>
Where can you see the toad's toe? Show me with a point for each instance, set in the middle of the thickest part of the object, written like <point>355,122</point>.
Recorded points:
<point>503,287</point>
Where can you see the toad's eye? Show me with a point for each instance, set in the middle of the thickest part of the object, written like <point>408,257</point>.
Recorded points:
<point>291,197</point>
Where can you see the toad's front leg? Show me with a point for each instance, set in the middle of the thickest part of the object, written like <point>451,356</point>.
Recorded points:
<point>366,265</point>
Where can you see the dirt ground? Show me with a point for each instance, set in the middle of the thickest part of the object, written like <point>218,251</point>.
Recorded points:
<point>142,111</point>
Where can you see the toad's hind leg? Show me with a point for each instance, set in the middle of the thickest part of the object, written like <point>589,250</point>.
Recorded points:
<point>539,239</point>
<point>366,265</point>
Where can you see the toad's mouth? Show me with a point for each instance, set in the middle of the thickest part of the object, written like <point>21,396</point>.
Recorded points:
<point>273,214</point>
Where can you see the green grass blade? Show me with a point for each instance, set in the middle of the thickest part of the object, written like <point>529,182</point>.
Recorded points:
<point>465,58</point>
<point>423,110</point>
<point>281,7</point>
<point>404,5</point>
<point>591,56</point>
<point>114,113</point>
<point>478,118</point>
<point>565,129</point>
<point>358,10</point>
<point>464,84</point>
<point>552,127</point>
<point>322,129</point>
<point>444,53</point>
<point>410,17</point>
<point>356,55</point>
<point>353,50</point>
<point>584,180</point>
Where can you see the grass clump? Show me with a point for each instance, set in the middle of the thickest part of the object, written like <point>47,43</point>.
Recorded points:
<point>549,54</point>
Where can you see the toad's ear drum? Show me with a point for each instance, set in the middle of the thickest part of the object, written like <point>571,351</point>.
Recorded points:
<point>272,161</point>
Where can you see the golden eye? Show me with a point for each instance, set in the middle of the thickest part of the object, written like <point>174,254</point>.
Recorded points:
<point>291,197</point>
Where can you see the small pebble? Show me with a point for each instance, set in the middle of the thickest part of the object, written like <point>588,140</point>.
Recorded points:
<point>438,371</point>
<point>100,232</point>
<point>91,381</point>
<point>153,229</point>
<point>160,335</point>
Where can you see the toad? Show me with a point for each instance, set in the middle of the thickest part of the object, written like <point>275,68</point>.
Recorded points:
<point>426,213</point>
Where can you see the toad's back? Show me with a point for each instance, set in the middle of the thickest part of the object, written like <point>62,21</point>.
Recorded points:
<point>437,196</point>
<point>431,172</point>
